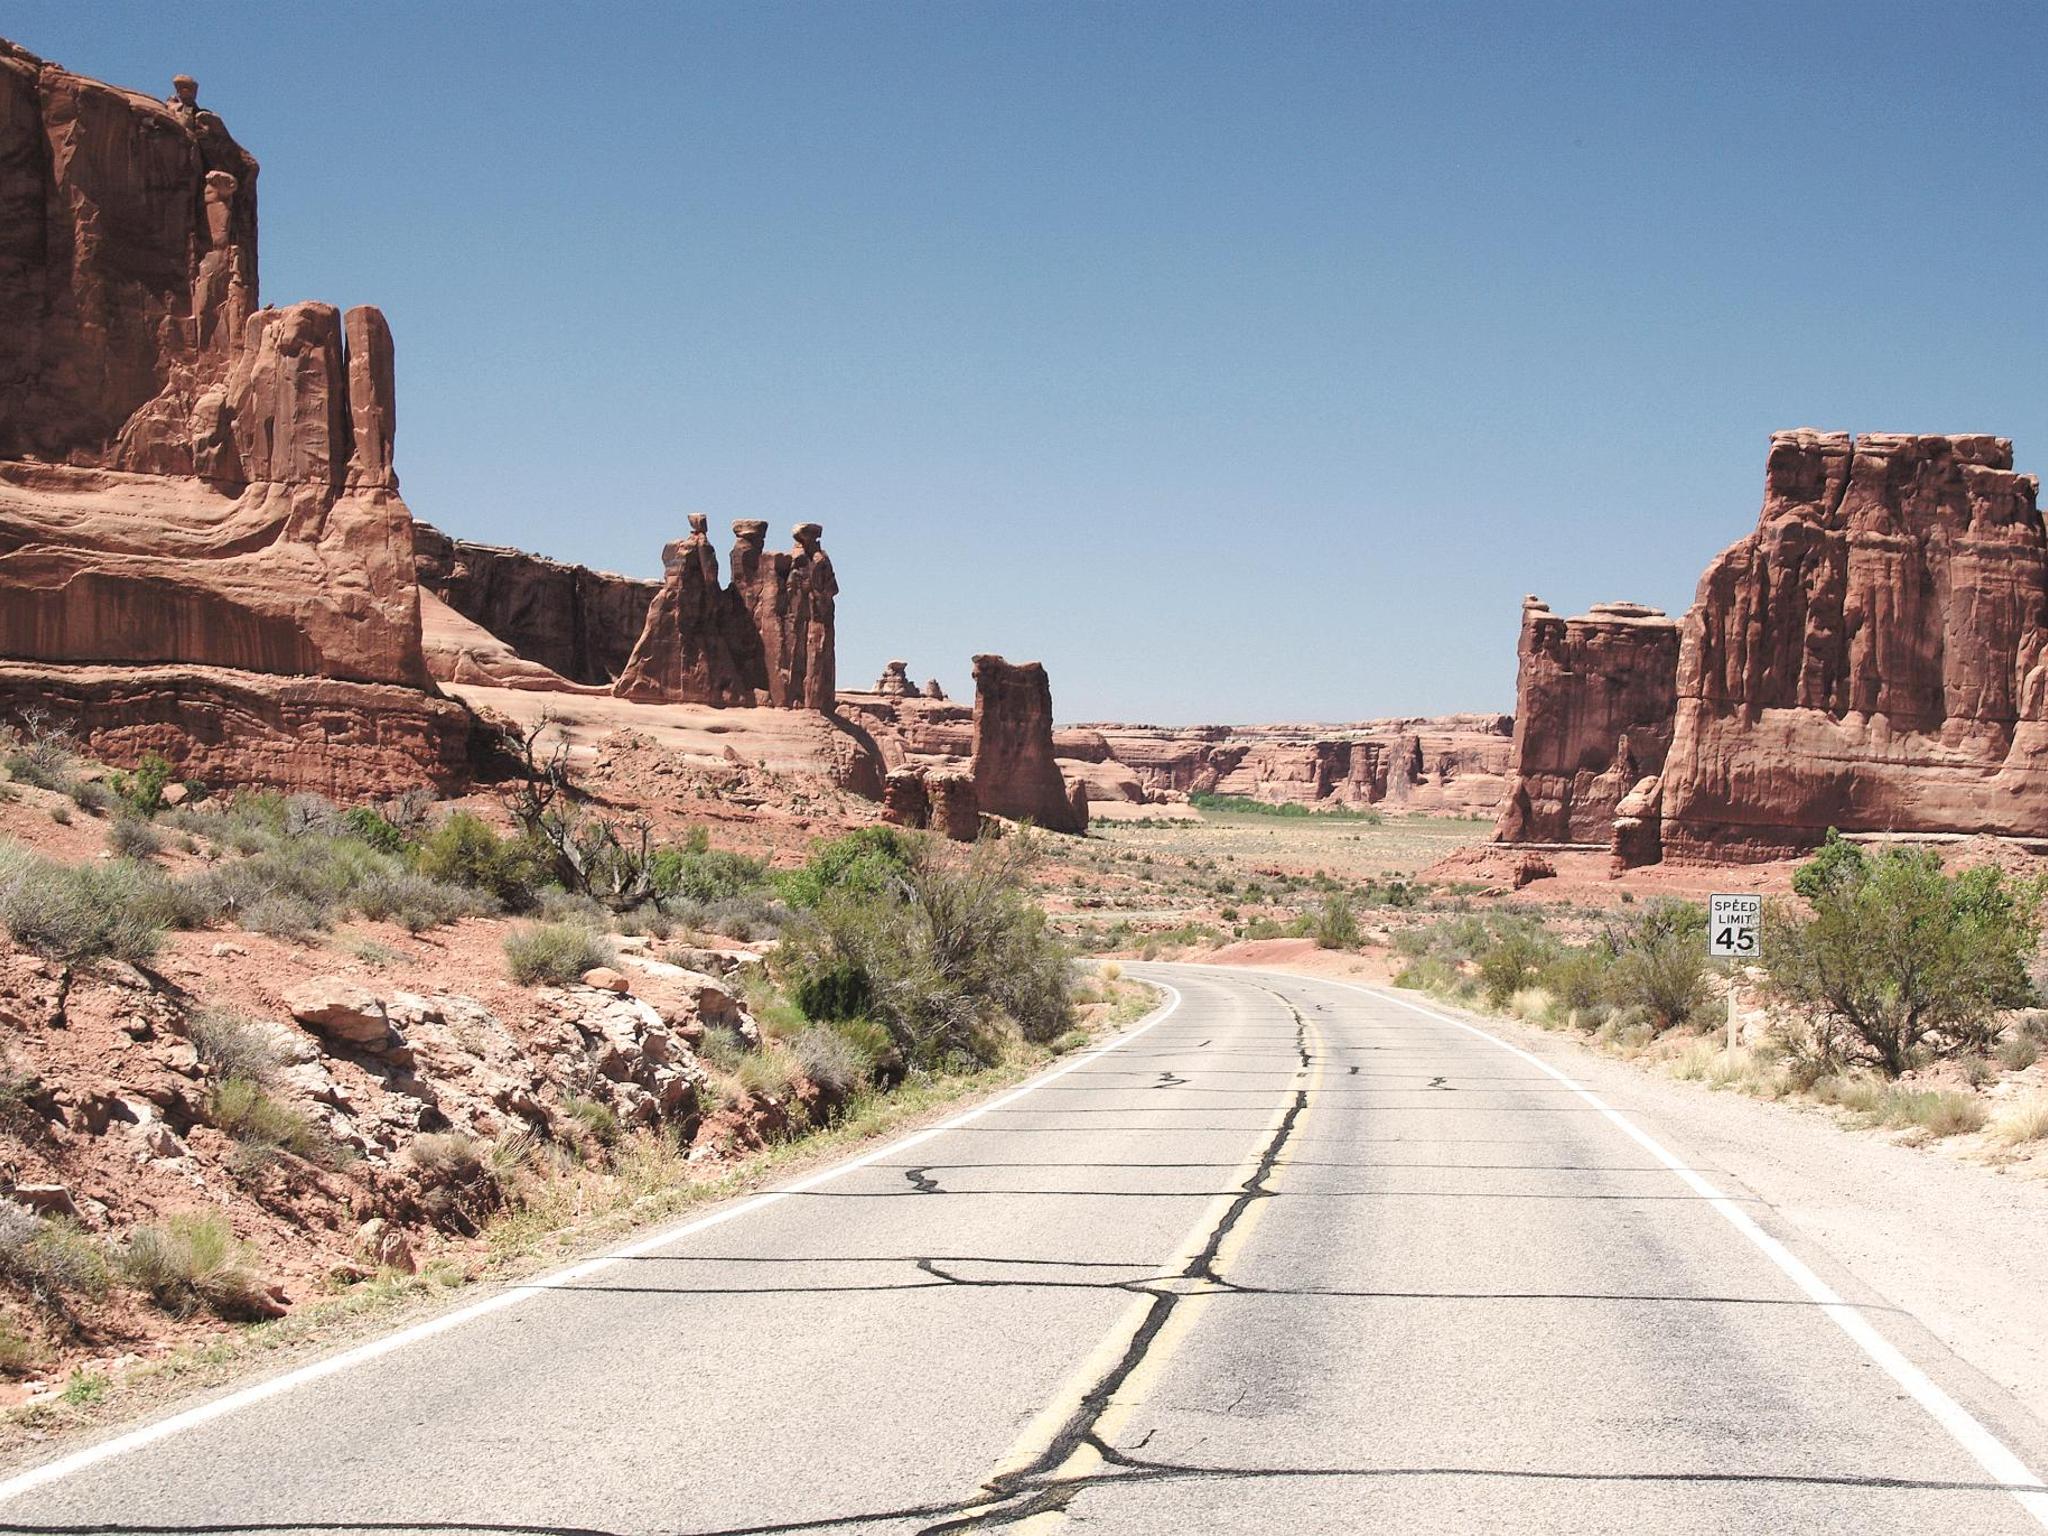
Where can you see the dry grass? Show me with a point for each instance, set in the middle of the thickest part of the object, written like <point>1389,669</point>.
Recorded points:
<point>2024,1122</point>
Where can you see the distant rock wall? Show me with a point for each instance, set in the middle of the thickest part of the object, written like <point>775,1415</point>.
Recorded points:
<point>1594,697</point>
<point>578,623</point>
<point>187,479</point>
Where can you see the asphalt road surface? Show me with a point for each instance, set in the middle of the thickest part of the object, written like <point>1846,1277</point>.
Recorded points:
<point>1292,1257</point>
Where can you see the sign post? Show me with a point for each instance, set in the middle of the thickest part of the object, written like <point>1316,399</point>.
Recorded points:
<point>1734,932</point>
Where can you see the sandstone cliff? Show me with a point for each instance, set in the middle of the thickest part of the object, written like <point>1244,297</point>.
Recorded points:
<point>1871,657</point>
<point>187,480</point>
<point>1015,773</point>
<point>1593,716</point>
<point>575,622</point>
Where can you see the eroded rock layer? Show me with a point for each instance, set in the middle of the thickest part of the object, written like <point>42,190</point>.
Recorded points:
<point>578,623</point>
<point>1593,716</point>
<point>186,479</point>
<point>1871,657</point>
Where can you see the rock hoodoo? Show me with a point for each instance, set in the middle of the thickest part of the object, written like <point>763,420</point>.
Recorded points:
<point>895,682</point>
<point>767,639</point>
<point>188,483</point>
<point>1015,772</point>
<point>1593,717</point>
<point>1874,657</point>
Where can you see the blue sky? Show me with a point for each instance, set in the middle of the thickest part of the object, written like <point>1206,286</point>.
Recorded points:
<point>1242,362</point>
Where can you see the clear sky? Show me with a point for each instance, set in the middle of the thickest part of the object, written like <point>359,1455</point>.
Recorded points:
<point>1240,361</point>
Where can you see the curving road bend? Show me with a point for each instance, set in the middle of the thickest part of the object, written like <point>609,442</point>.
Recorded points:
<point>1292,1256</point>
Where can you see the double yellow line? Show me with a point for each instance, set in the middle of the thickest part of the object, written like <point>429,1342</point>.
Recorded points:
<point>1043,1432</point>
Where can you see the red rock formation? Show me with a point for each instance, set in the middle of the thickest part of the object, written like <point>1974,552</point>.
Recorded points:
<point>1871,657</point>
<point>570,619</point>
<point>1015,773</point>
<point>186,480</point>
<point>1593,715</point>
<point>895,682</point>
<point>955,808</point>
<point>767,639</point>
<point>906,802</point>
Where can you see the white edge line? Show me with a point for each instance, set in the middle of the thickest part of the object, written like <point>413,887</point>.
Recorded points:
<point>1985,1448</point>
<point>524,1290</point>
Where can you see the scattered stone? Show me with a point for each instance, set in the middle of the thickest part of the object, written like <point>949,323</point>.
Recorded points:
<point>340,1010</point>
<point>605,979</point>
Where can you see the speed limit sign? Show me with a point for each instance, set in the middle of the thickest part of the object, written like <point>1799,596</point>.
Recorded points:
<point>1734,926</point>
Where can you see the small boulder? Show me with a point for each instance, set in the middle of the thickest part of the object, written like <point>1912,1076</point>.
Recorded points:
<point>340,1010</point>
<point>605,979</point>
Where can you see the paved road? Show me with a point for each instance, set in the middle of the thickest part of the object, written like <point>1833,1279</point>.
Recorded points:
<point>1294,1258</point>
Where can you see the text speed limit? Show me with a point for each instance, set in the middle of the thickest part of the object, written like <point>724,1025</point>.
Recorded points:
<point>1735,927</point>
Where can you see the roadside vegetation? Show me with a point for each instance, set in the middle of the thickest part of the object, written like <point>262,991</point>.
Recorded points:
<point>1890,989</point>
<point>893,973</point>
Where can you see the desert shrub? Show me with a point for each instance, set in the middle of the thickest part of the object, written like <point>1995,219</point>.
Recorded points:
<point>417,902</point>
<point>1577,979</point>
<point>52,1259</point>
<point>25,1104</point>
<point>869,861</point>
<point>463,850</point>
<point>236,1046</point>
<point>831,1061</point>
<point>40,753</point>
<point>597,1119</point>
<point>81,912</point>
<point>90,795</point>
<point>1334,926</point>
<point>284,915</point>
<point>1900,957</point>
<point>143,790</point>
<point>457,1185</point>
<point>191,1262</point>
<point>696,871</point>
<point>2017,1052</point>
<point>946,956</point>
<point>723,1048</point>
<point>2023,1122</point>
<point>263,1127</point>
<point>129,836</point>
<point>1660,965</point>
<point>768,1072</point>
<point>368,824</point>
<point>555,953</point>
<point>1515,957</point>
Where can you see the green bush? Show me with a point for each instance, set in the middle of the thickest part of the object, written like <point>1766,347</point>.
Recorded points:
<point>130,836</point>
<point>143,789</point>
<point>371,826</point>
<point>944,958</point>
<point>1898,957</point>
<point>193,1261</point>
<point>1334,926</point>
<point>556,953</point>
<point>1518,951</point>
<point>1660,967</point>
<point>698,872</point>
<point>81,912</point>
<point>1243,805</point>
<point>417,902</point>
<point>870,861</point>
<point>463,850</point>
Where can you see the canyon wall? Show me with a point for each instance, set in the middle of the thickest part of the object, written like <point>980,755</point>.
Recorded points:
<point>1594,699</point>
<point>578,623</point>
<point>187,480</point>
<point>1871,657</point>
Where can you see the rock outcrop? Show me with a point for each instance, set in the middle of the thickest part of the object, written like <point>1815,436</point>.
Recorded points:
<point>186,480</point>
<point>575,622</point>
<point>895,682</point>
<point>1015,772</point>
<point>1594,697</point>
<point>766,639</point>
<point>1871,657</point>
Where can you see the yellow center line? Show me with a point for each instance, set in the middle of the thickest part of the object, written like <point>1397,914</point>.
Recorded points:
<point>1084,1461</point>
